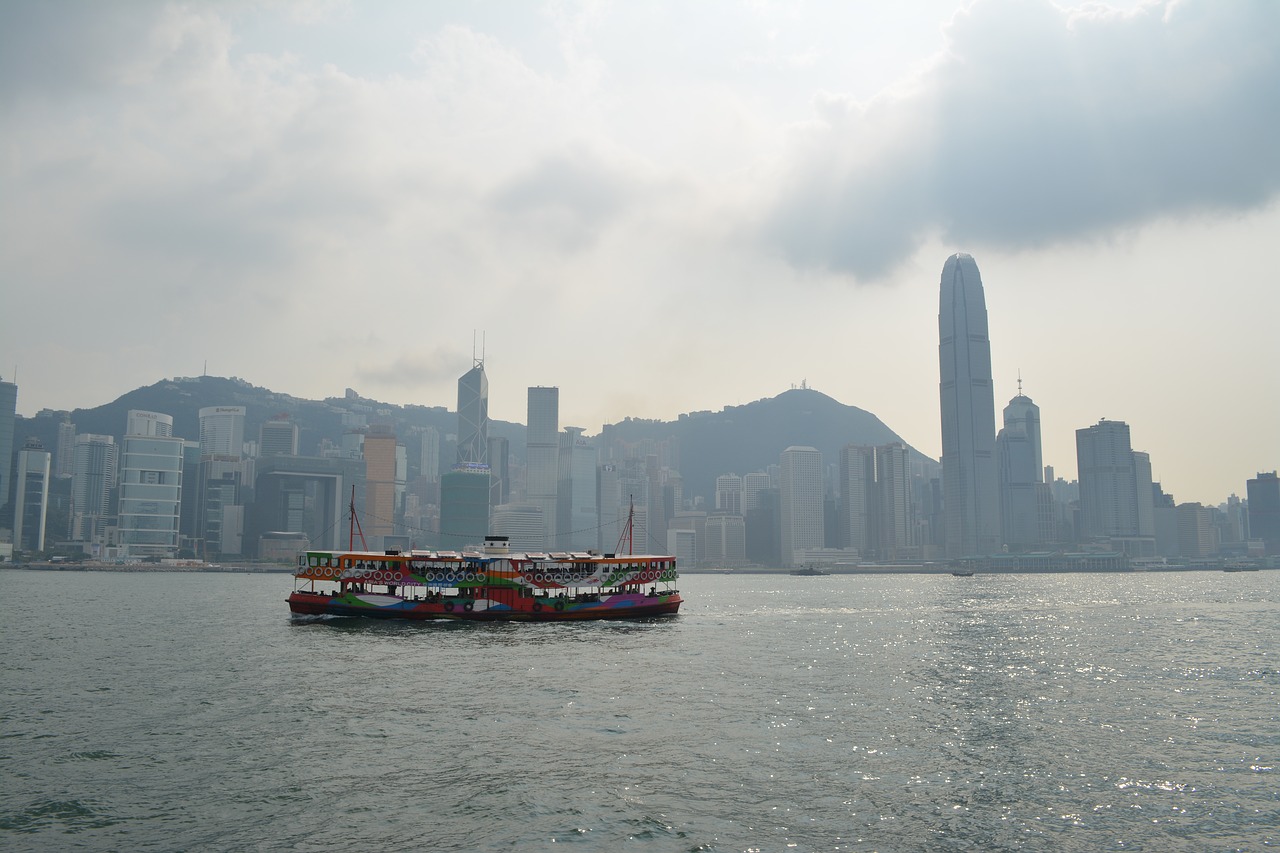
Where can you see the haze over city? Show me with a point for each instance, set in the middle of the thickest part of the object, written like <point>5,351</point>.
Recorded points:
<point>656,208</point>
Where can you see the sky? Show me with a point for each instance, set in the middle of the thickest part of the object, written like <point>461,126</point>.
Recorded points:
<point>658,207</point>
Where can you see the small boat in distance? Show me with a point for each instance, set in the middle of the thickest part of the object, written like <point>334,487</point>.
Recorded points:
<point>965,574</point>
<point>491,585</point>
<point>809,572</point>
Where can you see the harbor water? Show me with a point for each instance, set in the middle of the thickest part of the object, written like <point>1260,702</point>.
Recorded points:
<point>1065,712</point>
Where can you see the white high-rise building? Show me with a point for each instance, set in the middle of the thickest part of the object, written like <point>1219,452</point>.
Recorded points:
<point>542,456</point>
<point>971,503</point>
<point>801,502</point>
<point>729,494</point>
<point>93,476</point>
<point>753,485</point>
<point>150,486</point>
<point>222,431</point>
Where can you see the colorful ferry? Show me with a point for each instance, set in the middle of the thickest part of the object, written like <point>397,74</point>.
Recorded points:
<point>491,585</point>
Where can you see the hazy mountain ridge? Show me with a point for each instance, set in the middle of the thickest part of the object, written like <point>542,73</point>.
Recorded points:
<point>738,439</point>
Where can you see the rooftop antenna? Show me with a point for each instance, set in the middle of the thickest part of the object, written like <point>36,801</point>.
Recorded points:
<point>1019,381</point>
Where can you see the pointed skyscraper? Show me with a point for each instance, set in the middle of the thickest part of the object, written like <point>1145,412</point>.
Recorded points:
<point>473,416</point>
<point>970,498</point>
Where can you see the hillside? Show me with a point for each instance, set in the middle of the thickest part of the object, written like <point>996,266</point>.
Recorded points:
<point>737,439</point>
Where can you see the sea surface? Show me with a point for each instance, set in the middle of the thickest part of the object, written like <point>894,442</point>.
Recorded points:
<point>1066,712</point>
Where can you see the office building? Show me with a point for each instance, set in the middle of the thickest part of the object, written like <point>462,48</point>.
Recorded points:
<point>150,486</point>
<point>542,456</point>
<point>429,453</point>
<point>577,513</point>
<point>1116,498</point>
<point>8,415</point>
<point>64,457</point>
<point>93,476</point>
<point>729,494</point>
<point>499,470</point>
<point>31,496</point>
<point>801,502</point>
<point>1263,492</point>
<point>278,437</point>
<point>379,517</point>
<point>726,540</point>
<point>859,517</point>
<point>464,507</point>
<point>1195,531</point>
<point>897,522</point>
<point>222,431</point>
<point>970,496</point>
<point>1026,502</point>
<point>473,416</point>
<point>521,523</point>
<point>305,496</point>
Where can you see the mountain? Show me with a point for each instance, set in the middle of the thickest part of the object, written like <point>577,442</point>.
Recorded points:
<point>738,439</point>
<point>751,437</point>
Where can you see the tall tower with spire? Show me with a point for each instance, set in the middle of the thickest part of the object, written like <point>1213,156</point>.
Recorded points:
<point>1026,502</point>
<point>970,497</point>
<point>473,416</point>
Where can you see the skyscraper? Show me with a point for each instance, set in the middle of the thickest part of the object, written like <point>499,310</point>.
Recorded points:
<point>970,497</point>
<point>8,413</point>
<point>278,437</point>
<point>1264,510</point>
<point>473,416</point>
<point>1026,502</point>
<point>578,513</point>
<point>31,496</point>
<point>222,431</point>
<point>1116,498</point>
<point>897,523</point>
<point>150,486</point>
<point>93,476</point>
<point>859,502</point>
<point>542,456</point>
<point>802,510</point>
<point>379,483</point>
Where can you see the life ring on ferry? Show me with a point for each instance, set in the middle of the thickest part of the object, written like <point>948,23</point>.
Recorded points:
<point>468,606</point>
<point>448,605</point>
<point>559,605</point>
<point>537,607</point>
<point>480,577</point>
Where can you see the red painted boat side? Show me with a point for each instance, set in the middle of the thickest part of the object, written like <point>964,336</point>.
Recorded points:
<point>307,603</point>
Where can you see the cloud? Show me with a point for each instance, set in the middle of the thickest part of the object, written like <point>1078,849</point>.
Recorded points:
<point>1041,125</point>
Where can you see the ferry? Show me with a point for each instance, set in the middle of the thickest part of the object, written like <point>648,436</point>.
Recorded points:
<point>488,585</point>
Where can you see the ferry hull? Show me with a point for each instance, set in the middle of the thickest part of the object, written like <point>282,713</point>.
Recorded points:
<point>623,606</point>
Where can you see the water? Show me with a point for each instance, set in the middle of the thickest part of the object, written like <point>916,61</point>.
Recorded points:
<point>1018,712</point>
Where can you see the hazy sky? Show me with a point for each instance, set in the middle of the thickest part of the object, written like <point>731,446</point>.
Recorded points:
<point>658,207</point>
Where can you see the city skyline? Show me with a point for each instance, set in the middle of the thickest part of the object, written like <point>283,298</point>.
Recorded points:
<point>355,190</point>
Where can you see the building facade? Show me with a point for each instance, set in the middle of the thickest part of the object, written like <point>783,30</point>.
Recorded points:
<point>801,502</point>
<point>542,456</point>
<point>969,479</point>
<point>31,496</point>
<point>150,486</point>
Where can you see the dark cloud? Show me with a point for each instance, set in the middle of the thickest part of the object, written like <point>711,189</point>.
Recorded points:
<point>1043,125</point>
<point>58,47</point>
